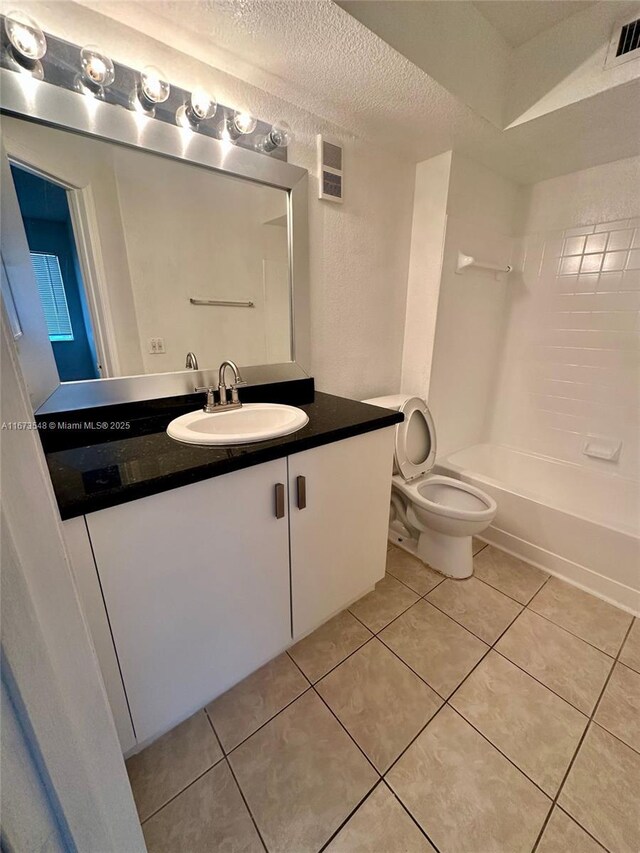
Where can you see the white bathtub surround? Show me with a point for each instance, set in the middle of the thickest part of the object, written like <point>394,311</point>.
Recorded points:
<point>578,524</point>
<point>527,373</point>
<point>570,367</point>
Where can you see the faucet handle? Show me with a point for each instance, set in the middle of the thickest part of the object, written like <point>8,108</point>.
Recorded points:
<point>211,400</point>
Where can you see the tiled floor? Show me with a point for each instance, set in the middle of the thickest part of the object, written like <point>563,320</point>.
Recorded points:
<point>500,714</point>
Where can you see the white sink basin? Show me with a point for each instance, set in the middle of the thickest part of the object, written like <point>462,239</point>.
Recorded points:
<point>253,422</point>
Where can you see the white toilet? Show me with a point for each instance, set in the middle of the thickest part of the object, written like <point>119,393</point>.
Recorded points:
<point>432,516</point>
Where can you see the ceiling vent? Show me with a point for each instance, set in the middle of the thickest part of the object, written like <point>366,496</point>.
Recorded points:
<point>625,43</point>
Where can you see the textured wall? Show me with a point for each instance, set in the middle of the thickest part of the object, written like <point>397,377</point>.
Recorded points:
<point>359,251</point>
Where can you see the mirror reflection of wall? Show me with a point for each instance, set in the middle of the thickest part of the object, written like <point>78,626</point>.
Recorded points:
<point>122,240</point>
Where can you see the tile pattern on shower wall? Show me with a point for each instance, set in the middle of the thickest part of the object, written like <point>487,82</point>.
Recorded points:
<point>571,366</point>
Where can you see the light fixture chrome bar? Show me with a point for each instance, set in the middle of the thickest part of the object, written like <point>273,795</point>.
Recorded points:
<point>228,303</point>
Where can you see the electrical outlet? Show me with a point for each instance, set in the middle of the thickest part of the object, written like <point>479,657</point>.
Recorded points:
<point>156,346</point>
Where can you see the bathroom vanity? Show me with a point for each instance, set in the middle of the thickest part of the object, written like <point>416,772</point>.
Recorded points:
<point>196,565</point>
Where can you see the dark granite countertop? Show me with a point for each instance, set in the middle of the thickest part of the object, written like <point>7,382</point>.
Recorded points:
<point>90,473</point>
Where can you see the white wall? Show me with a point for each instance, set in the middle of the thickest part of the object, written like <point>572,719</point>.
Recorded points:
<point>570,365</point>
<point>359,251</point>
<point>425,269</point>
<point>464,352</point>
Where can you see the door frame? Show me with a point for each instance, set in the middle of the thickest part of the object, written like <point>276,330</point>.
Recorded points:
<point>86,234</point>
<point>47,651</point>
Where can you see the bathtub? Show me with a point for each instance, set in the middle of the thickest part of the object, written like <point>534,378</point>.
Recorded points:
<point>578,524</point>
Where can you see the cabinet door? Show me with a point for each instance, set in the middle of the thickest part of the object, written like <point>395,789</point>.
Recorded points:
<point>196,584</point>
<point>84,571</point>
<point>339,539</point>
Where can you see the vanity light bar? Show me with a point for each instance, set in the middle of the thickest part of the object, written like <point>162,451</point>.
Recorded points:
<point>90,72</point>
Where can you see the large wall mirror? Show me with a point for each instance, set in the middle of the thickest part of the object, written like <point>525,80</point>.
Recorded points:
<point>147,265</point>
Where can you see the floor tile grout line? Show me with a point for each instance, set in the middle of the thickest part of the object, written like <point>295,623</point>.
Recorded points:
<point>330,709</point>
<point>541,683</point>
<point>360,803</point>
<point>517,600</point>
<point>181,791</point>
<point>266,722</point>
<point>488,649</point>
<point>312,688</point>
<point>342,725</point>
<point>424,597</point>
<point>417,674</point>
<point>586,831</point>
<point>415,591</point>
<point>615,736</point>
<point>329,671</point>
<point>497,748</point>
<point>213,729</point>
<point>557,624</point>
<point>246,803</point>
<point>395,618</point>
<point>408,812</point>
<point>473,633</point>
<point>590,722</point>
<point>375,633</point>
<point>430,686</point>
<point>588,642</point>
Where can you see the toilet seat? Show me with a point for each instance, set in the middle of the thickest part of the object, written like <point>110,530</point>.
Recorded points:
<point>447,497</point>
<point>415,449</point>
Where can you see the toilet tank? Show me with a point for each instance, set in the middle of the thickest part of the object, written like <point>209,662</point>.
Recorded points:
<point>392,401</point>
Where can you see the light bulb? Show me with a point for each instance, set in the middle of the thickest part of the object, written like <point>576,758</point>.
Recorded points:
<point>244,123</point>
<point>26,37</point>
<point>97,69</point>
<point>200,107</point>
<point>202,104</point>
<point>278,137</point>
<point>154,88</point>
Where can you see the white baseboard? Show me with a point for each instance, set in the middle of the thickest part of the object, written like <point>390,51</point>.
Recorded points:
<point>609,590</point>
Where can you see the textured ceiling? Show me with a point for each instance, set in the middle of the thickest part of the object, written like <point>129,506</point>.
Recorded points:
<point>313,54</point>
<point>517,21</point>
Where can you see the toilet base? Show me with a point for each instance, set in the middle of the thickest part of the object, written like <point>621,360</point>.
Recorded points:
<point>452,556</point>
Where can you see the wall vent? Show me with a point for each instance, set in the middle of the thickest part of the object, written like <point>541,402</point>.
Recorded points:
<point>625,43</point>
<point>330,170</point>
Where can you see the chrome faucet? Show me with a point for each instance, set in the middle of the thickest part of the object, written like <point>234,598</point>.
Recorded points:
<point>211,406</point>
<point>191,362</point>
<point>238,382</point>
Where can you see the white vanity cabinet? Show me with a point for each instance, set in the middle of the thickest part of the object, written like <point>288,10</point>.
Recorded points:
<point>196,586</point>
<point>204,583</point>
<point>339,524</point>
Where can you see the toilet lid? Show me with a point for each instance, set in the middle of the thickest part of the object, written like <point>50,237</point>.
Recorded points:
<point>415,439</point>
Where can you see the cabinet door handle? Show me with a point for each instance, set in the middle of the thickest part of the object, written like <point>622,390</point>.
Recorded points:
<point>279,500</point>
<point>301,485</point>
